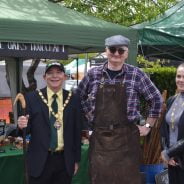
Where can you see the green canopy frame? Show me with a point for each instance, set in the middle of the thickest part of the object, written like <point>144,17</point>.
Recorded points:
<point>42,29</point>
<point>163,37</point>
<point>44,22</point>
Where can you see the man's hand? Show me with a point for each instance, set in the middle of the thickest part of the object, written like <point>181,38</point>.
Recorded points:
<point>143,130</point>
<point>22,121</point>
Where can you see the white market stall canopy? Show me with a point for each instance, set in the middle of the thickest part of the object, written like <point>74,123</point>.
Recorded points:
<point>4,88</point>
<point>71,68</point>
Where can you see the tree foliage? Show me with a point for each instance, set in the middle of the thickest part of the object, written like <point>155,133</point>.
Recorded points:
<point>128,12</point>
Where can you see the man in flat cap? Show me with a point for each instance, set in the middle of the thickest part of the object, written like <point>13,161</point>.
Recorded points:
<point>110,100</point>
<point>54,122</point>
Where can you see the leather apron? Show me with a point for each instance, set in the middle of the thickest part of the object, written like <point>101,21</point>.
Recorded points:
<point>114,151</point>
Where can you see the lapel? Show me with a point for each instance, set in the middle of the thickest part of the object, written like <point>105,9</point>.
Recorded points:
<point>65,95</point>
<point>44,106</point>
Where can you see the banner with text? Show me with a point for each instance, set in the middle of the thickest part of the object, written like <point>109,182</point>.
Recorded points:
<point>33,50</point>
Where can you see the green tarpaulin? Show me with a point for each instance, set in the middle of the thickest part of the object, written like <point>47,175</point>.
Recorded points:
<point>41,21</point>
<point>164,36</point>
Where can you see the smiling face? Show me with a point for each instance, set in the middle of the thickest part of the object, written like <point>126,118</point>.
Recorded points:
<point>180,79</point>
<point>117,58</point>
<point>54,78</point>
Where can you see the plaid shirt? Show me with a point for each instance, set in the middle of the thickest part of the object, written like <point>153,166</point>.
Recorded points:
<point>137,84</point>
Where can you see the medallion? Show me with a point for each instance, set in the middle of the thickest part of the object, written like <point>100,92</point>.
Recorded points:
<point>57,124</point>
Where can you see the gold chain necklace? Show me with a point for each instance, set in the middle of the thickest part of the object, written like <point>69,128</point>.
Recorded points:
<point>58,123</point>
<point>173,112</point>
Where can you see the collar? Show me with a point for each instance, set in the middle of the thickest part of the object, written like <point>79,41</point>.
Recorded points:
<point>50,94</point>
<point>123,70</point>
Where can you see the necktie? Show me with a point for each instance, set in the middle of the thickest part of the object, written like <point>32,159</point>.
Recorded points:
<point>54,106</point>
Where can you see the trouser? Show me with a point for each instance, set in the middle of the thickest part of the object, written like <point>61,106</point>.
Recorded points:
<point>54,171</point>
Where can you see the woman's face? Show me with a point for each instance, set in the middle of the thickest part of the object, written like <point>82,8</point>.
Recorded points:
<point>180,79</point>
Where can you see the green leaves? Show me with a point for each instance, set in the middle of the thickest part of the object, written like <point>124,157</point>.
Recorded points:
<point>127,12</point>
<point>163,78</point>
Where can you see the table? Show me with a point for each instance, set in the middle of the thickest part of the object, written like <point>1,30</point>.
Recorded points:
<point>82,176</point>
<point>12,167</point>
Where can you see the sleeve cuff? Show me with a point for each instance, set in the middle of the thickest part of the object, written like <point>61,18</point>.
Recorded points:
<point>166,155</point>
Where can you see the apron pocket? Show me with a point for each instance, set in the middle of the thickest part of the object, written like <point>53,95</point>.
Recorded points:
<point>110,140</point>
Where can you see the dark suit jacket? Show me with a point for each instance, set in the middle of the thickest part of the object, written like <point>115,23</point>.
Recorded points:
<point>39,128</point>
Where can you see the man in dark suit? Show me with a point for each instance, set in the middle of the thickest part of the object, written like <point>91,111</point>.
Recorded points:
<point>54,122</point>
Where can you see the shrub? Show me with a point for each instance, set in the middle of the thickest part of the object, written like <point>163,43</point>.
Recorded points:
<point>163,78</point>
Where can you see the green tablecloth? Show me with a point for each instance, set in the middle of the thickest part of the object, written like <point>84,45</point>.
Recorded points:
<point>82,175</point>
<point>11,167</point>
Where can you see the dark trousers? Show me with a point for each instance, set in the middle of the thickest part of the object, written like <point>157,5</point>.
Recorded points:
<point>176,175</point>
<point>54,171</point>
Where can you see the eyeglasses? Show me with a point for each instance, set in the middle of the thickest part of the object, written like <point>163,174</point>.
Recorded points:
<point>114,49</point>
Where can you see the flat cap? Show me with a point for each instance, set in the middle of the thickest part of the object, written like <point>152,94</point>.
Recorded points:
<point>56,64</point>
<point>117,40</point>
